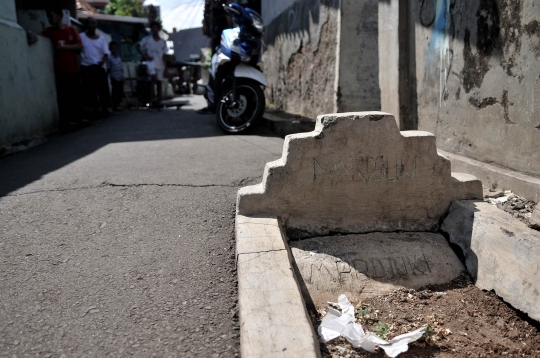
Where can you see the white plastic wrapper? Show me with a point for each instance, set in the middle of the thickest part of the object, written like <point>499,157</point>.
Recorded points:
<point>343,323</point>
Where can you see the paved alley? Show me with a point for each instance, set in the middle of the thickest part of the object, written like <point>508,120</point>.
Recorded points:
<point>118,239</point>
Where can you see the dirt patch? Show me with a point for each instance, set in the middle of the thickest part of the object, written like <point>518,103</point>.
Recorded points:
<point>464,322</point>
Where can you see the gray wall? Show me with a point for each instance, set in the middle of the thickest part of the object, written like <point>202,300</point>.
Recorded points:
<point>478,65</point>
<point>270,9</point>
<point>301,54</point>
<point>358,85</point>
<point>27,85</point>
<point>188,42</point>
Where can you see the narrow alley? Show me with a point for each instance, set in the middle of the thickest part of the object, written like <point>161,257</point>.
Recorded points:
<point>118,239</point>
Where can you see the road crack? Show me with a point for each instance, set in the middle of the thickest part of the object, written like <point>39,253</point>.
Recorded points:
<point>138,185</point>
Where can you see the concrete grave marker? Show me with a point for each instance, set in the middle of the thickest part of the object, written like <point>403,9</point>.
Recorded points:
<point>367,265</point>
<point>358,173</point>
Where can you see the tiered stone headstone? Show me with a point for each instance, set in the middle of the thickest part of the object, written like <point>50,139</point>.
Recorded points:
<point>358,174</point>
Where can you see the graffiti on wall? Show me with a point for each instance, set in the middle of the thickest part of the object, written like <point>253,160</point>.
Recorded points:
<point>440,55</point>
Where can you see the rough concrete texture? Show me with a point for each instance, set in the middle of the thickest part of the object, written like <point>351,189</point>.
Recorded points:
<point>369,265</point>
<point>358,71</point>
<point>478,87</point>
<point>501,252</point>
<point>357,173</point>
<point>118,240</point>
<point>322,56</point>
<point>273,317</point>
<point>300,58</point>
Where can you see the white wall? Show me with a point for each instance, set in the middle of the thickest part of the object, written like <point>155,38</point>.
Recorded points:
<point>27,86</point>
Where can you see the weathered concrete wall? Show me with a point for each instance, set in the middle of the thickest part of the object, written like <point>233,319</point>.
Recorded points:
<point>358,83</point>
<point>27,85</point>
<point>397,61</point>
<point>312,69</point>
<point>478,85</point>
<point>300,58</point>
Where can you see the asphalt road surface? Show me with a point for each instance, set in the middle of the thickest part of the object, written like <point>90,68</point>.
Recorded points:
<point>118,239</point>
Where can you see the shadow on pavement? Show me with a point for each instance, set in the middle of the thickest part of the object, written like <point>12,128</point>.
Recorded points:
<point>26,167</point>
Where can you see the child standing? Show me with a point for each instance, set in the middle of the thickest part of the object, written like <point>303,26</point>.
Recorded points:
<point>156,49</point>
<point>116,73</point>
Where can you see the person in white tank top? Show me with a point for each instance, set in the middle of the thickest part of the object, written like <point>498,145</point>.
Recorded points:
<point>155,49</point>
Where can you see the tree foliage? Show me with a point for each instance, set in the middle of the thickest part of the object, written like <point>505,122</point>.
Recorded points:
<point>132,8</point>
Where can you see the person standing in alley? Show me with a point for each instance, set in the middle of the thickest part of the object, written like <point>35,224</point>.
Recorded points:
<point>155,49</point>
<point>116,74</point>
<point>94,58</point>
<point>67,44</point>
<point>214,22</point>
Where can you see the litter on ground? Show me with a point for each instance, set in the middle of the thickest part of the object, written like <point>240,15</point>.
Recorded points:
<point>336,324</point>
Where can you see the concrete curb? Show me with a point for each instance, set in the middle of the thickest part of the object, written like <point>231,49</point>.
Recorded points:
<point>501,253</point>
<point>283,124</point>
<point>274,321</point>
<point>522,184</point>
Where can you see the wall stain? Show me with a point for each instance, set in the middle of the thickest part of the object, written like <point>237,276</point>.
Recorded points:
<point>491,101</point>
<point>480,104</point>
<point>511,33</point>
<point>505,104</point>
<point>532,29</point>
<point>488,43</point>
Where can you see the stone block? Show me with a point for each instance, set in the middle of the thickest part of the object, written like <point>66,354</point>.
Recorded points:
<point>368,265</point>
<point>501,252</point>
<point>358,173</point>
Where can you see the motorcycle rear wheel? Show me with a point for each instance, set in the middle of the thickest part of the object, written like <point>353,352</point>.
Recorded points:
<point>250,109</point>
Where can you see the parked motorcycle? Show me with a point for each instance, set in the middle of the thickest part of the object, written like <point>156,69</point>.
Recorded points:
<point>235,93</point>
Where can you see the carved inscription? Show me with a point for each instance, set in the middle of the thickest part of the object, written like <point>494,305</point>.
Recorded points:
<point>382,269</point>
<point>366,169</point>
<point>367,265</point>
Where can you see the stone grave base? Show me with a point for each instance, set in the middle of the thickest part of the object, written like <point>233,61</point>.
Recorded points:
<point>369,265</point>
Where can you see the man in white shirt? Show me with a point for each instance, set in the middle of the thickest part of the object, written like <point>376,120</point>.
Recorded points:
<point>94,55</point>
<point>155,50</point>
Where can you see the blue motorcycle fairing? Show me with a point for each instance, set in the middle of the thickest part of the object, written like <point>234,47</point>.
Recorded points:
<point>228,38</point>
<point>244,19</point>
